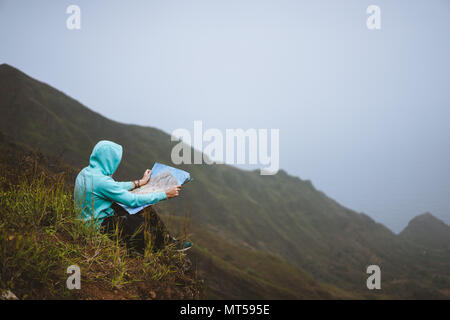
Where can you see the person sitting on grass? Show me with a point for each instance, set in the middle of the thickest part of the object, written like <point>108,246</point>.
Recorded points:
<point>97,197</point>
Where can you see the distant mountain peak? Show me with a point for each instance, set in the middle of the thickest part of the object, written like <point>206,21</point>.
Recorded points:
<point>427,230</point>
<point>426,217</point>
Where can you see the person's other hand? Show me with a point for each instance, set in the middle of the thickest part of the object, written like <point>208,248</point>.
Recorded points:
<point>173,192</point>
<point>145,178</point>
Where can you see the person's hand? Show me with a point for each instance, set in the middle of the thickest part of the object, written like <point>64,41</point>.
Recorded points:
<point>173,192</point>
<point>145,178</point>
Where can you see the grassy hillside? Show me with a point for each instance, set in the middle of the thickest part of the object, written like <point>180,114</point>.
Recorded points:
<point>41,237</point>
<point>311,235</point>
<point>251,275</point>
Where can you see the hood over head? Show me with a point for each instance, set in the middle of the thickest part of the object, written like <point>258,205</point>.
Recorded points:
<point>106,156</point>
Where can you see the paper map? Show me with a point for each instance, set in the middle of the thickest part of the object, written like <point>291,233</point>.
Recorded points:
<point>162,178</point>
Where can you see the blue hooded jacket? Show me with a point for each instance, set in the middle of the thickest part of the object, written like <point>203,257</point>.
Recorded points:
<point>95,189</point>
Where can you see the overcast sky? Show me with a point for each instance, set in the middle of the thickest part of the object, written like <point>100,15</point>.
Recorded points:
<point>364,114</point>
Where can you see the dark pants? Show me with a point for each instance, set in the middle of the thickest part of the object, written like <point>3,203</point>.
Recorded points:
<point>137,230</point>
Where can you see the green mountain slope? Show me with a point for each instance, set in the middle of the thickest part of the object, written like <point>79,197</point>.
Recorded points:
<point>280,215</point>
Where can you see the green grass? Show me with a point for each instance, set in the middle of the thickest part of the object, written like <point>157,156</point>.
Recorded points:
<point>40,236</point>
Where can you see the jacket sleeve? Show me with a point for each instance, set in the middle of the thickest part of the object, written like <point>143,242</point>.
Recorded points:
<point>126,185</point>
<point>114,191</point>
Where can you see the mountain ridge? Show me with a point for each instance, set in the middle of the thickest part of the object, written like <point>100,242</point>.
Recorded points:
<point>281,215</point>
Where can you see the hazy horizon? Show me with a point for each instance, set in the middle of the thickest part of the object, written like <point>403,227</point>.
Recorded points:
<point>363,114</point>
